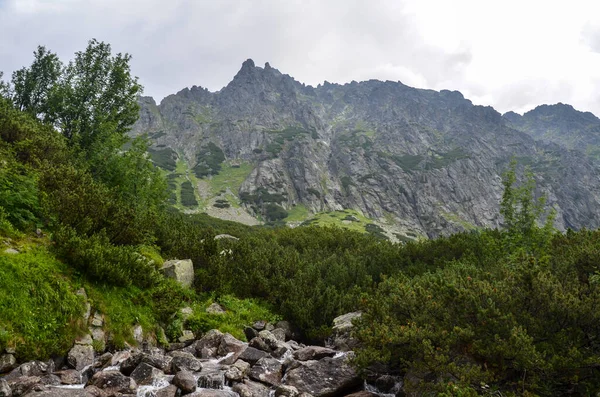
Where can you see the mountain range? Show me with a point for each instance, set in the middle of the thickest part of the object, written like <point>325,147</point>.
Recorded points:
<point>375,156</point>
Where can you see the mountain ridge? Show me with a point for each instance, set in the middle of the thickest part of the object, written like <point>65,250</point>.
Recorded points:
<point>415,161</point>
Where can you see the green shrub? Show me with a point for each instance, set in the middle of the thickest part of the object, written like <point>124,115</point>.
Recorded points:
<point>40,315</point>
<point>188,196</point>
<point>208,160</point>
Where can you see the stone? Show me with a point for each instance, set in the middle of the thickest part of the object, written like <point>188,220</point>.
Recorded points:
<point>146,374</point>
<point>59,392</point>
<point>207,346</point>
<point>286,327</point>
<point>84,340</point>
<point>7,363</point>
<point>181,271</point>
<point>97,320</point>
<point>169,391</point>
<point>242,366</point>
<point>5,390</point>
<point>313,353</point>
<point>131,363</point>
<point>93,391</point>
<point>259,325</point>
<point>269,339</point>
<point>184,361</point>
<point>87,307</point>
<point>215,308</point>
<point>251,389</point>
<point>267,370</point>
<point>226,236</point>
<point>80,356</point>
<point>119,357</point>
<point>186,336</point>
<point>252,355</point>
<point>186,312</point>
<point>286,391</point>
<point>234,374</point>
<point>231,348</point>
<point>341,338</point>
<point>69,376</point>
<point>213,393</point>
<point>279,334</point>
<point>159,361</point>
<point>329,376</point>
<point>33,368</point>
<point>363,393</point>
<point>250,333</point>
<point>113,382</point>
<point>138,334</point>
<point>185,381</point>
<point>50,380</point>
<point>11,251</point>
<point>24,384</point>
<point>260,344</point>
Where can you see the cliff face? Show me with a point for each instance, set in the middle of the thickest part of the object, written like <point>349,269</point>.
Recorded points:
<point>422,161</point>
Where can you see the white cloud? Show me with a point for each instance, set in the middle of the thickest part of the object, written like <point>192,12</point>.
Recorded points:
<point>510,54</point>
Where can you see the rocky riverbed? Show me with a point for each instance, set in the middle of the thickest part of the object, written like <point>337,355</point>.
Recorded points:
<point>215,365</point>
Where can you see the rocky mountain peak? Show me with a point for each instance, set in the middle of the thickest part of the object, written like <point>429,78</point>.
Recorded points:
<point>416,161</point>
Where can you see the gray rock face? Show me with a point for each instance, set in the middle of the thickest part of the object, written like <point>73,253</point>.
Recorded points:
<point>341,338</point>
<point>5,389</point>
<point>425,162</point>
<point>145,374</point>
<point>313,353</point>
<point>327,377</point>
<point>81,356</point>
<point>185,381</point>
<point>181,271</point>
<point>7,363</point>
<point>113,382</point>
<point>267,370</point>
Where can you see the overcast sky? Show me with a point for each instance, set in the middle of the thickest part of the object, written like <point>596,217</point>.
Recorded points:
<point>513,55</point>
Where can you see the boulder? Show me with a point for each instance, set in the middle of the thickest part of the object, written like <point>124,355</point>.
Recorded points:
<point>286,327</point>
<point>213,393</point>
<point>234,374</point>
<point>24,384</point>
<point>215,308</point>
<point>185,381</point>
<point>69,376</point>
<point>146,374</point>
<point>230,348</point>
<point>184,361</point>
<point>93,391</point>
<point>158,361</point>
<point>138,334</point>
<point>50,380</point>
<point>286,391</point>
<point>279,334</point>
<point>7,363</point>
<point>212,376</point>
<point>252,355</point>
<point>313,353</point>
<point>267,370</point>
<point>363,393</point>
<point>327,377</point>
<point>113,382</point>
<point>5,390</point>
<point>340,338</point>
<point>169,391</point>
<point>80,356</point>
<point>207,346</point>
<point>251,389</point>
<point>131,363</point>
<point>181,271</point>
<point>59,392</point>
<point>186,336</point>
<point>250,333</point>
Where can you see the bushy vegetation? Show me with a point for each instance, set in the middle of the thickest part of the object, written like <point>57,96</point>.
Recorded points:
<point>496,312</point>
<point>209,160</point>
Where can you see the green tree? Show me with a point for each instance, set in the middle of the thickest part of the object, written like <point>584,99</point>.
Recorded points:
<point>34,88</point>
<point>92,100</point>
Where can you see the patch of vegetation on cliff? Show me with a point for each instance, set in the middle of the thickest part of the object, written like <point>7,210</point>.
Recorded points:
<point>188,195</point>
<point>208,160</point>
<point>231,176</point>
<point>164,158</point>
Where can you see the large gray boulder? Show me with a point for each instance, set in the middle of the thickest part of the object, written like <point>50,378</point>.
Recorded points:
<point>341,338</point>
<point>80,356</point>
<point>327,377</point>
<point>7,363</point>
<point>267,370</point>
<point>181,271</point>
<point>113,382</point>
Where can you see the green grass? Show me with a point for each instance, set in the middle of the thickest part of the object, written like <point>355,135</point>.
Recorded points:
<point>451,217</point>
<point>239,314</point>
<point>336,218</point>
<point>40,314</point>
<point>298,213</point>
<point>230,177</point>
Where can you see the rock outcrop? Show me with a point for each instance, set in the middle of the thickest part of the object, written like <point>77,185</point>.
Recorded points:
<point>420,162</point>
